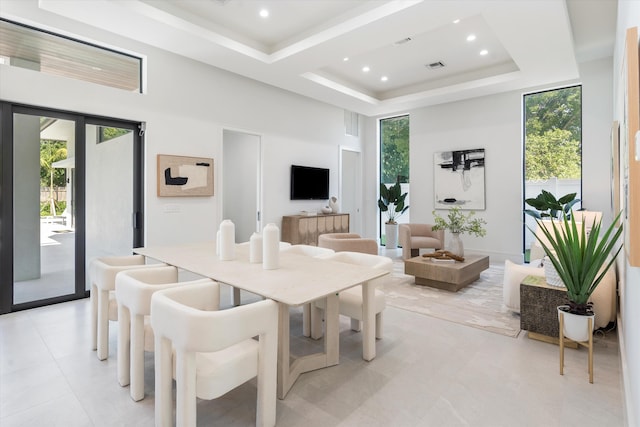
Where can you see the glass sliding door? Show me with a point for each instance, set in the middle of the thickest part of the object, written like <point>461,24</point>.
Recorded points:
<point>71,188</point>
<point>110,193</point>
<point>43,207</point>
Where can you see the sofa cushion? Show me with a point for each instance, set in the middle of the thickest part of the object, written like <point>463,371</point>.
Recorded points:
<point>513,276</point>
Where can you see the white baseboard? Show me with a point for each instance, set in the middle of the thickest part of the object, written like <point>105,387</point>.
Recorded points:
<point>628,404</point>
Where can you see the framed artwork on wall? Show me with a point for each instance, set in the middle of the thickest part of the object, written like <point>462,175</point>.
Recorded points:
<point>181,176</point>
<point>631,158</point>
<point>459,179</point>
<point>615,168</point>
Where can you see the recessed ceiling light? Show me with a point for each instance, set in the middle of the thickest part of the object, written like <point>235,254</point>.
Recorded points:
<point>456,21</point>
<point>484,52</point>
<point>345,59</point>
<point>471,37</point>
<point>384,78</point>
<point>366,69</point>
<point>96,68</point>
<point>264,13</point>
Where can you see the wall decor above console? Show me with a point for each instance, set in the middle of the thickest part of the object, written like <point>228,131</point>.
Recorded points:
<point>180,176</point>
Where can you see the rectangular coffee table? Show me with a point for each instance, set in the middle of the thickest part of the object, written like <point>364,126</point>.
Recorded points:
<point>448,276</point>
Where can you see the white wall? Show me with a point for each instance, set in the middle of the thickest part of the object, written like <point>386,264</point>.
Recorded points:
<point>629,328</point>
<point>186,107</point>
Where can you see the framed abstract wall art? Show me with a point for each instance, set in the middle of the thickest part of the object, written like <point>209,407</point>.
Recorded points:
<point>180,176</point>
<point>459,179</point>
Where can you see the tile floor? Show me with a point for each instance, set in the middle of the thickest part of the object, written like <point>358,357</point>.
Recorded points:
<point>428,372</point>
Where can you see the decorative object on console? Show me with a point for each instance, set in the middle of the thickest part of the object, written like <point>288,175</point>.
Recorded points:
<point>459,179</point>
<point>391,201</point>
<point>458,223</point>
<point>184,176</point>
<point>326,210</point>
<point>227,240</point>
<point>271,247</point>
<point>333,204</point>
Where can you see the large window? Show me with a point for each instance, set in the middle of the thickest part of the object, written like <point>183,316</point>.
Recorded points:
<point>27,47</point>
<point>394,157</point>
<point>552,145</point>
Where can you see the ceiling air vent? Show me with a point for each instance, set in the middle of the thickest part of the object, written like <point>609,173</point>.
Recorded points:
<point>435,65</point>
<point>402,41</point>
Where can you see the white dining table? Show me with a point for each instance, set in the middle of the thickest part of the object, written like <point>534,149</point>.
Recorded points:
<point>298,280</point>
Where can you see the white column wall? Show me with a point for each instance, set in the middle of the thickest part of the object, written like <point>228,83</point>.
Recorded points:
<point>629,287</point>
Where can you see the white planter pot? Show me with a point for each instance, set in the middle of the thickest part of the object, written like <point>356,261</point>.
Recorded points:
<point>391,236</point>
<point>576,327</point>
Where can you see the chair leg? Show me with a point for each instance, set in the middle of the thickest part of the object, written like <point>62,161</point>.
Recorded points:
<point>235,296</point>
<point>186,389</point>
<point>103,324</point>
<point>356,325</point>
<point>164,382</point>
<point>94,316</point>
<point>124,341</point>
<point>137,358</point>
<point>379,324</point>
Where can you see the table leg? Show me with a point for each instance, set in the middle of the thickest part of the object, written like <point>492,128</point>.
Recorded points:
<point>283,350</point>
<point>332,330</point>
<point>368,322</point>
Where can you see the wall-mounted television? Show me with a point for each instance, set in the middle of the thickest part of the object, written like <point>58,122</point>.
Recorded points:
<point>309,183</point>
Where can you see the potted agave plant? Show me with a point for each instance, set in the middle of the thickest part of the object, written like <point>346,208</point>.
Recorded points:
<point>392,202</point>
<point>581,261</point>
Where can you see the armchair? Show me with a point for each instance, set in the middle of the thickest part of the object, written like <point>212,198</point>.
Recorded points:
<point>413,237</point>
<point>214,351</point>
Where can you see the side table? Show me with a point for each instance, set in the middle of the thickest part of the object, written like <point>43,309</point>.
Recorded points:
<point>538,310</point>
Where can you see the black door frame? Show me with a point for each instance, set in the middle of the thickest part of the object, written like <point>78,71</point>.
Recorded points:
<point>7,111</point>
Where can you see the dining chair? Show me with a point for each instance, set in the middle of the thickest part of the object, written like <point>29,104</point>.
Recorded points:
<point>314,251</point>
<point>134,289</point>
<point>214,351</point>
<point>351,299</point>
<point>102,276</point>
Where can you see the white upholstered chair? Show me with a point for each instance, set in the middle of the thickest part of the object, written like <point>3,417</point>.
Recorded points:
<point>102,275</point>
<point>307,250</point>
<point>134,289</point>
<point>214,351</point>
<point>351,299</point>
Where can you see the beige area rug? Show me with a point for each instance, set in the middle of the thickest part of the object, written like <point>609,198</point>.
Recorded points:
<point>478,305</point>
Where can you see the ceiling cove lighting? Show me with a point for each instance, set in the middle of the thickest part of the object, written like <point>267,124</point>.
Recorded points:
<point>471,37</point>
<point>366,69</point>
<point>264,13</point>
<point>484,52</point>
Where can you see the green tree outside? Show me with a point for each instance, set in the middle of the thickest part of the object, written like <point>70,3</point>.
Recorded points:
<point>394,149</point>
<point>553,134</point>
<point>52,151</point>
